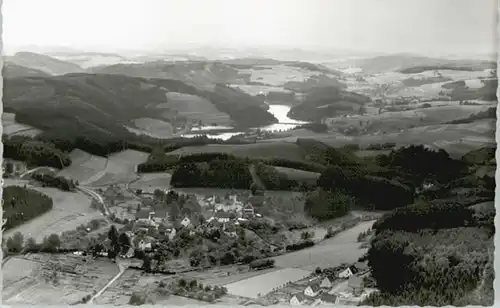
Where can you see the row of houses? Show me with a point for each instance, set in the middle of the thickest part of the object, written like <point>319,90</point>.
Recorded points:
<point>321,290</point>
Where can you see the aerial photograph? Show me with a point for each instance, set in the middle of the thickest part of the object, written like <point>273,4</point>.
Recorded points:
<point>249,152</point>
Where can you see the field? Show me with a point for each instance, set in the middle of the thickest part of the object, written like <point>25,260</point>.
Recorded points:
<point>84,166</point>
<point>194,108</point>
<point>260,285</point>
<point>100,171</point>
<point>12,128</point>
<point>25,278</point>
<point>70,210</point>
<point>120,168</point>
<point>148,182</point>
<point>255,90</point>
<point>342,248</point>
<point>257,150</point>
<point>298,175</point>
<point>278,75</point>
<point>152,127</point>
<point>456,139</point>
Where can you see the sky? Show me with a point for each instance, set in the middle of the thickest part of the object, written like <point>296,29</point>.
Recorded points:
<point>419,26</point>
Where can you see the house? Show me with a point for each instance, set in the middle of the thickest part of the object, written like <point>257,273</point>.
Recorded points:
<point>248,210</point>
<point>312,290</point>
<point>160,215</point>
<point>355,284</point>
<point>186,222</point>
<point>346,273</point>
<point>297,299</point>
<point>223,217</point>
<point>326,283</point>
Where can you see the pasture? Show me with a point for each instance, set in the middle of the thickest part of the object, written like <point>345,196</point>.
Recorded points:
<point>74,278</point>
<point>149,182</point>
<point>12,128</point>
<point>260,285</point>
<point>70,209</point>
<point>255,150</point>
<point>342,248</point>
<point>257,89</point>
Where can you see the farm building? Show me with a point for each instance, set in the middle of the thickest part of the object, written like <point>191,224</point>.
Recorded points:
<point>326,298</point>
<point>346,273</point>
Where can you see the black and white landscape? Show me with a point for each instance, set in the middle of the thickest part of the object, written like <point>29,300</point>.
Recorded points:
<point>296,152</point>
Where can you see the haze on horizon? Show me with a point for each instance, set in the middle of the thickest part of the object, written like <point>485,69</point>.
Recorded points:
<point>418,26</point>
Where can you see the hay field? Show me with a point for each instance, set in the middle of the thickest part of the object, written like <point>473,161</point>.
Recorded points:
<point>70,209</point>
<point>257,286</point>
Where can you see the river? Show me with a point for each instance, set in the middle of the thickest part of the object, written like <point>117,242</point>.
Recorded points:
<point>278,111</point>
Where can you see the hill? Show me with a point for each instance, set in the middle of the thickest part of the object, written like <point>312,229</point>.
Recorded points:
<point>410,64</point>
<point>323,102</point>
<point>11,70</point>
<point>108,103</point>
<point>43,63</point>
<point>195,73</point>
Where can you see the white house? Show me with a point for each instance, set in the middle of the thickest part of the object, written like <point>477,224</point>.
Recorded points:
<point>346,273</point>
<point>312,290</point>
<point>186,222</point>
<point>326,283</point>
<point>297,299</point>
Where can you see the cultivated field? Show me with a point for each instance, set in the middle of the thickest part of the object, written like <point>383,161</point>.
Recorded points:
<point>12,128</point>
<point>257,150</point>
<point>258,286</point>
<point>148,182</point>
<point>70,210</point>
<point>28,281</point>
<point>342,248</point>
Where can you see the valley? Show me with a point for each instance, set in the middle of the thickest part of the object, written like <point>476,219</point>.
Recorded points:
<point>191,181</point>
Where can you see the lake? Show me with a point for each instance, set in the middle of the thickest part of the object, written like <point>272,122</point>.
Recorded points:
<point>278,111</point>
